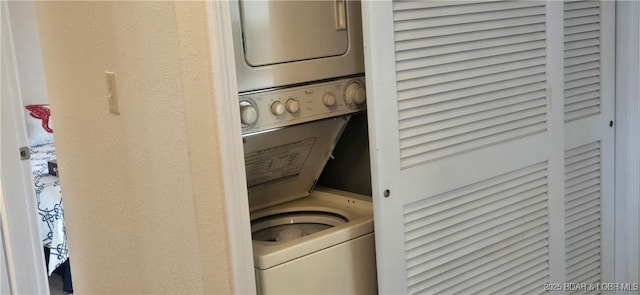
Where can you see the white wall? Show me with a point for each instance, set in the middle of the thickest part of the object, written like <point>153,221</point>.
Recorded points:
<point>24,26</point>
<point>142,190</point>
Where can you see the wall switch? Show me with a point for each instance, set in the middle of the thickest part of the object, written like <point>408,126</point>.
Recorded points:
<point>113,93</point>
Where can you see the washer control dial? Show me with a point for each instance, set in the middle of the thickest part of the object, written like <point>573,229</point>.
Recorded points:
<point>277,108</point>
<point>355,94</point>
<point>248,113</point>
<point>328,99</point>
<point>292,106</point>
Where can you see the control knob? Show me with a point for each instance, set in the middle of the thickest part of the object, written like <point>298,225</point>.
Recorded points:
<point>355,94</point>
<point>292,106</point>
<point>277,108</point>
<point>328,99</point>
<point>248,113</point>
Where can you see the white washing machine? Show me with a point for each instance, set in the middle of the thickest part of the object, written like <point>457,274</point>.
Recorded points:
<point>306,240</point>
<point>321,244</point>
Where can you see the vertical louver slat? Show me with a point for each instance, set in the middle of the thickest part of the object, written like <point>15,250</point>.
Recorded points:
<point>582,213</point>
<point>469,75</point>
<point>581,59</point>
<point>489,237</point>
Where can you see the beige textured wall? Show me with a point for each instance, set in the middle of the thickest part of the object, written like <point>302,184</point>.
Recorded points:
<point>142,191</point>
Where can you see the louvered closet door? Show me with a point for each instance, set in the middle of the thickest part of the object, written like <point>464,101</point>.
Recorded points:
<point>466,120</point>
<point>589,109</point>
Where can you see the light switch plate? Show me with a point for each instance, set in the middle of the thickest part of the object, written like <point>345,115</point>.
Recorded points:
<point>113,93</point>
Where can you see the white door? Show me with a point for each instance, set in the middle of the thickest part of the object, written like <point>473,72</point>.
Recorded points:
<point>589,93</point>
<point>5,285</point>
<point>20,238</point>
<point>467,134</point>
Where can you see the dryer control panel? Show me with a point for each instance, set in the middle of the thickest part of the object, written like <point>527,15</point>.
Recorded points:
<point>281,107</point>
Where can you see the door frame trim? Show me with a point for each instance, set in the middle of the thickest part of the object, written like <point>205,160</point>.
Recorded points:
<point>627,142</point>
<point>231,149</point>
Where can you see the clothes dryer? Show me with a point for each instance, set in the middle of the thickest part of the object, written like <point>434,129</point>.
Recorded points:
<point>282,43</point>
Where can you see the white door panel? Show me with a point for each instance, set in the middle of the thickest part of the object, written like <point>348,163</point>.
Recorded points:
<point>18,211</point>
<point>5,287</point>
<point>444,176</point>
<point>589,108</point>
<point>467,134</point>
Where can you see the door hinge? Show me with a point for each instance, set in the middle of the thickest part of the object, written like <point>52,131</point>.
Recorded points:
<point>25,154</point>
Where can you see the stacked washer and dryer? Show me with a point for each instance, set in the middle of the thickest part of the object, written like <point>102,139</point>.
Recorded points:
<point>300,76</point>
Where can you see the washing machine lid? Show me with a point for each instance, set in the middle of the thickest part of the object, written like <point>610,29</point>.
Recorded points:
<point>284,164</point>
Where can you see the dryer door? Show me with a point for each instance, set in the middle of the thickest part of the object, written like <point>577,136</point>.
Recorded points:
<point>285,31</point>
